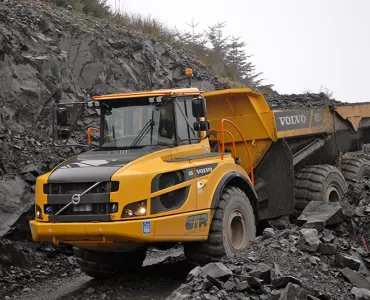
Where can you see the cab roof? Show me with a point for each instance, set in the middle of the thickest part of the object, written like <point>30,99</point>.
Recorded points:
<point>164,92</point>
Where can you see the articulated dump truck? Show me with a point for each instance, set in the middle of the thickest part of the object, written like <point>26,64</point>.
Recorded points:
<point>198,168</point>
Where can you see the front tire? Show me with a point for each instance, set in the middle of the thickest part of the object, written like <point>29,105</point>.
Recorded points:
<point>106,264</point>
<point>233,227</point>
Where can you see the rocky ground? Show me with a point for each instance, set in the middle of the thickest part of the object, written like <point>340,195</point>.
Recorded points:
<point>322,258</point>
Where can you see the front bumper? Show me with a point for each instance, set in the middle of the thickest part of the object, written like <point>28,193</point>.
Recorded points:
<point>161,229</point>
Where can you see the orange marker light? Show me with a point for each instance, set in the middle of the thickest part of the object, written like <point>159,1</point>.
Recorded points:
<point>188,71</point>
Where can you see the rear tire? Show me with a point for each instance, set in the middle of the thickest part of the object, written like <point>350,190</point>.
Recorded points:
<point>318,183</point>
<point>106,264</point>
<point>233,227</point>
<point>355,170</point>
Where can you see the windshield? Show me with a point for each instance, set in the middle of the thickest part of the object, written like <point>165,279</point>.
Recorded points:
<point>137,126</point>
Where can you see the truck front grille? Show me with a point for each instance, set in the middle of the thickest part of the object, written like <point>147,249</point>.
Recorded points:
<point>95,205</point>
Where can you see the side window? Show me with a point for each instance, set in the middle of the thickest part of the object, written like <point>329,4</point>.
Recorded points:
<point>183,131</point>
<point>182,127</point>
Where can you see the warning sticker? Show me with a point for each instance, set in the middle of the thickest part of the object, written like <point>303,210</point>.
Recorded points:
<point>146,227</point>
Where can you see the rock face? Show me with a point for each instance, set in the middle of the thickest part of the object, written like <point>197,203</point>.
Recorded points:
<point>50,55</point>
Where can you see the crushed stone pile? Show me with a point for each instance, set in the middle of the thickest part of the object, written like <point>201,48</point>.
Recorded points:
<point>309,100</point>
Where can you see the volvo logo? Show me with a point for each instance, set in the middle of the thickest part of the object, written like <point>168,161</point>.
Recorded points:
<point>76,198</point>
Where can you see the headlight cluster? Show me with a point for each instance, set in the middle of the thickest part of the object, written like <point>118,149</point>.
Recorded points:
<point>135,209</point>
<point>38,212</point>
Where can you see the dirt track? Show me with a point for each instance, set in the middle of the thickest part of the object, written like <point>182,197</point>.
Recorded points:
<point>157,279</point>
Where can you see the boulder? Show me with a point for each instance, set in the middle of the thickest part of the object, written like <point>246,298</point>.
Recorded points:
<point>355,278</point>
<point>309,240</point>
<point>290,292</point>
<point>330,213</point>
<point>269,233</point>
<point>217,271</point>
<point>360,294</point>
<point>262,271</point>
<point>346,261</point>
<point>327,249</point>
<point>15,199</point>
<point>194,273</point>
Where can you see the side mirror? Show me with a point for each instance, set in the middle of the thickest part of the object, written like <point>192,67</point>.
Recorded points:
<point>198,106</point>
<point>62,116</point>
<point>201,126</point>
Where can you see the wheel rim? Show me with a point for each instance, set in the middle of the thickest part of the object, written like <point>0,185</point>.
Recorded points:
<point>236,234</point>
<point>332,194</point>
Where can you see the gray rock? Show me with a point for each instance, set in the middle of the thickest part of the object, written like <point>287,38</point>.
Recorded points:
<point>355,278</point>
<point>254,283</point>
<point>327,249</point>
<point>262,271</point>
<point>318,225</point>
<point>229,285</point>
<point>328,212</point>
<point>327,236</point>
<point>343,260</point>
<point>269,233</point>
<point>244,287</point>
<point>194,273</point>
<point>283,281</point>
<point>292,291</point>
<point>213,281</point>
<point>309,240</point>
<point>217,270</point>
<point>15,200</point>
<point>275,271</point>
<point>280,223</point>
<point>360,294</point>
<point>360,212</point>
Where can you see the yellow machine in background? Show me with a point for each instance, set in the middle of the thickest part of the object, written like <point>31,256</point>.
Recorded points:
<point>186,166</point>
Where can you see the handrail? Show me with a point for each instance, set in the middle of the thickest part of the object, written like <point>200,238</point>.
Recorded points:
<point>245,143</point>
<point>232,138</point>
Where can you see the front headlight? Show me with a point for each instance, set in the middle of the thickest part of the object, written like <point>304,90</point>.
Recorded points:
<point>135,209</point>
<point>38,212</point>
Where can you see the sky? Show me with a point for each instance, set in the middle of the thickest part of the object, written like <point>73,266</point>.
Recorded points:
<point>298,45</point>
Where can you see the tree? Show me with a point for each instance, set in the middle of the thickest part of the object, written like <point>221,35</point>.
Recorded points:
<point>219,46</point>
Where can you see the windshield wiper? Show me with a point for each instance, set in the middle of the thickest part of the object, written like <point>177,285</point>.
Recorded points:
<point>143,132</point>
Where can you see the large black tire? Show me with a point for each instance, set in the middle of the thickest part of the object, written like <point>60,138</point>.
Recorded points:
<point>105,264</point>
<point>356,170</point>
<point>232,228</point>
<point>318,183</point>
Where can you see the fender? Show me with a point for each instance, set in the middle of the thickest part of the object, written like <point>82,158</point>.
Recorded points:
<point>239,180</point>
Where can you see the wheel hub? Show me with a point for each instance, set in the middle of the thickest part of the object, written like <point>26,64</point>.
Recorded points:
<point>236,234</point>
<point>332,194</point>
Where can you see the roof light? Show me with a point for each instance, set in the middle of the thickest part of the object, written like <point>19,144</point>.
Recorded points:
<point>188,71</point>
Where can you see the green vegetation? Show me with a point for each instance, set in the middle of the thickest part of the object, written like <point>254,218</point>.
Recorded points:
<point>225,56</point>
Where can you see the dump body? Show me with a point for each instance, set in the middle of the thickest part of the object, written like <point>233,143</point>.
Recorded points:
<point>283,141</point>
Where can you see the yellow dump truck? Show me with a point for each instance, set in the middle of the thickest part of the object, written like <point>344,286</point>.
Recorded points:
<point>198,168</point>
